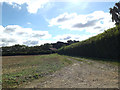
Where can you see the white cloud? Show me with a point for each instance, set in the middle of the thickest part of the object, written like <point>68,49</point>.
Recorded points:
<point>28,23</point>
<point>33,5</point>
<point>66,37</point>
<point>14,34</point>
<point>17,6</point>
<point>94,23</point>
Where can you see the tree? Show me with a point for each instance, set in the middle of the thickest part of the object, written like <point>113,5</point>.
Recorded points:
<point>115,11</point>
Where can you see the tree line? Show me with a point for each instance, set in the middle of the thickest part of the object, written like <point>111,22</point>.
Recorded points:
<point>47,48</point>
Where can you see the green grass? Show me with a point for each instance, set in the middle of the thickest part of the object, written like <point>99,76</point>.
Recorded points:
<point>19,70</point>
<point>103,61</point>
<point>100,60</point>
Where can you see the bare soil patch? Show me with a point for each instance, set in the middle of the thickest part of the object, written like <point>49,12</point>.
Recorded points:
<point>83,74</point>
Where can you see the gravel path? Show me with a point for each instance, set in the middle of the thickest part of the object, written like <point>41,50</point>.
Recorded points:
<point>83,74</point>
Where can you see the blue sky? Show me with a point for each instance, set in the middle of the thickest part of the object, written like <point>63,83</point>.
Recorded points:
<point>35,23</point>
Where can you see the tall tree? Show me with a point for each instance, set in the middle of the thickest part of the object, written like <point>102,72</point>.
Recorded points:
<point>115,11</point>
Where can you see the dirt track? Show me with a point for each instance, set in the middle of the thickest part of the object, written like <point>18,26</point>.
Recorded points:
<point>83,74</point>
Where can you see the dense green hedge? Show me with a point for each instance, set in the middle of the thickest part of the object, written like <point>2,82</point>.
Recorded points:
<point>105,45</point>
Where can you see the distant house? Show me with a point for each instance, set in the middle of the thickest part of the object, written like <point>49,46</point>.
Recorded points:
<point>53,50</point>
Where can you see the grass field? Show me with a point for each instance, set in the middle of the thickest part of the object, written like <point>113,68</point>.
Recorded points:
<point>19,70</point>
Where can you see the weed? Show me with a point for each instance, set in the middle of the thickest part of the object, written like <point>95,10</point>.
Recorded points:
<point>19,70</point>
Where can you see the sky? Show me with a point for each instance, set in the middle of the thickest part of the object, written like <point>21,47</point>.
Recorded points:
<point>36,22</point>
